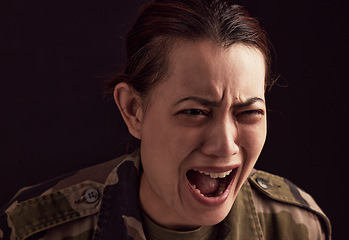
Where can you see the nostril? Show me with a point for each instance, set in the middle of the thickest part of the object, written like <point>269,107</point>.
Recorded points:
<point>220,149</point>
<point>222,138</point>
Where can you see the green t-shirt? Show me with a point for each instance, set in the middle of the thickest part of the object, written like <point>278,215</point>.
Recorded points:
<point>155,232</point>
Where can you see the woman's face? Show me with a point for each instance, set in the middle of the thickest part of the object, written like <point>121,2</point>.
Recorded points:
<point>202,133</point>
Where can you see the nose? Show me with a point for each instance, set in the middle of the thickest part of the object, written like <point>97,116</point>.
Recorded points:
<point>221,139</point>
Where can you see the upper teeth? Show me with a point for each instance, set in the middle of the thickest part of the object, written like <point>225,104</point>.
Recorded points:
<point>217,175</point>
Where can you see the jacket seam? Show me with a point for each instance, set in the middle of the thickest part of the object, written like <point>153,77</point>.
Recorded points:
<point>254,216</point>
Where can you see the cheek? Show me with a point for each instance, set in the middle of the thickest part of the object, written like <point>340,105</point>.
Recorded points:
<point>165,148</point>
<point>160,149</point>
<point>168,138</point>
<point>252,139</point>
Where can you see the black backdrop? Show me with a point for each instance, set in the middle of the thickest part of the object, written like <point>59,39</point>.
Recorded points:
<point>55,55</point>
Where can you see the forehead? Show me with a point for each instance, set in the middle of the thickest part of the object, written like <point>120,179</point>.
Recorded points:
<point>205,69</point>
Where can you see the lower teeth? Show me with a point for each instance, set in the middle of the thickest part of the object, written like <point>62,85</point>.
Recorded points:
<point>221,189</point>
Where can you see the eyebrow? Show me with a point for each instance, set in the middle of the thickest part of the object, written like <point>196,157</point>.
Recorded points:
<point>209,103</point>
<point>199,100</point>
<point>248,102</point>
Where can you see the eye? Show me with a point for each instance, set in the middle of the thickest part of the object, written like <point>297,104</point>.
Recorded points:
<point>252,112</point>
<point>193,112</point>
<point>192,116</point>
<point>250,116</point>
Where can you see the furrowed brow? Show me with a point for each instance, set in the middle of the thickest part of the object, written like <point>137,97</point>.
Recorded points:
<point>205,102</point>
<point>248,102</point>
<point>199,100</point>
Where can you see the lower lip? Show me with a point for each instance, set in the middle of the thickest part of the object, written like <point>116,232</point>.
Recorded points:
<point>213,201</point>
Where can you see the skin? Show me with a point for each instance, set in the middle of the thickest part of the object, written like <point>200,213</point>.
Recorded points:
<point>207,113</point>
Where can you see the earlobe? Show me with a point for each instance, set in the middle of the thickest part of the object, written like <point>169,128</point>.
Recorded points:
<point>130,106</point>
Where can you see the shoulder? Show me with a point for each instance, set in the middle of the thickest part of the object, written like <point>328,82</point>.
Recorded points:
<point>69,203</point>
<point>278,201</point>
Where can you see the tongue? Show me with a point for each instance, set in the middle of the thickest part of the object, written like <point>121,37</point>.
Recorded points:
<point>204,183</point>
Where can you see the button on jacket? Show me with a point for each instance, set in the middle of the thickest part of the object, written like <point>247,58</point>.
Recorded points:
<point>102,202</point>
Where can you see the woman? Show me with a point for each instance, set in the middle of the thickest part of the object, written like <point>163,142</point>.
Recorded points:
<point>192,91</point>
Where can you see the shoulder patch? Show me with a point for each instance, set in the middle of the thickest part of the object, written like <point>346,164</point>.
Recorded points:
<point>278,188</point>
<point>283,190</point>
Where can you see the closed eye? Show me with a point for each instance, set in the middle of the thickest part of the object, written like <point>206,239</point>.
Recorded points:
<point>252,112</point>
<point>250,116</point>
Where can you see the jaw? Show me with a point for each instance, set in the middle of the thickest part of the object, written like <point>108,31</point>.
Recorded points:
<point>186,209</point>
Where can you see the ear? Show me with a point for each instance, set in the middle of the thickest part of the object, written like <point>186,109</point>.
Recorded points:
<point>130,106</point>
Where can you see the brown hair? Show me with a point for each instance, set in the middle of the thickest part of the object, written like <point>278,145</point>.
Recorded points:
<point>160,23</point>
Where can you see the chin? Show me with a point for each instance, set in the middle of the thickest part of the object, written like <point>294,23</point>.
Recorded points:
<point>212,217</point>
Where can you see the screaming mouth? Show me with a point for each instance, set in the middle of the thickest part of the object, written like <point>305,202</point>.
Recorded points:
<point>209,184</point>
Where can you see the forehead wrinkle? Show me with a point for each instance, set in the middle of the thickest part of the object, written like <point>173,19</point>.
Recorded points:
<point>201,76</point>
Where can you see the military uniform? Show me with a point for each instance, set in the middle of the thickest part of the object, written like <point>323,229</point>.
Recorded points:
<point>102,202</point>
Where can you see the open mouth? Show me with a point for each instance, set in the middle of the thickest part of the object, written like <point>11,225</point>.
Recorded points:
<point>210,184</point>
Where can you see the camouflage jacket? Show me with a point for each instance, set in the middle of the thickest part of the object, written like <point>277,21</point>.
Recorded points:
<point>102,202</point>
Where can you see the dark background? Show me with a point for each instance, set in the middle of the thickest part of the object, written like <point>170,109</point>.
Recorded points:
<point>54,56</point>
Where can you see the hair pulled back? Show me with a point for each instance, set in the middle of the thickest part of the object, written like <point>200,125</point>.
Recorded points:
<point>163,22</point>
